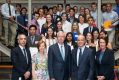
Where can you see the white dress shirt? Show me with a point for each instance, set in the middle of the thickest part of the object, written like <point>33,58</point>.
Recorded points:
<point>82,27</point>
<point>5,10</point>
<point>66,26</point>
<point>78,51</point>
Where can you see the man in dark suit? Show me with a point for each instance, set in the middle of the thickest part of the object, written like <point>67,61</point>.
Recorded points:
<point>82,61</point>
<point>59,59</point>
<point>90,28</point>
<point>23,20</point>
<point>21,60</point>
<point>33,38</point>
<point>71,16</point>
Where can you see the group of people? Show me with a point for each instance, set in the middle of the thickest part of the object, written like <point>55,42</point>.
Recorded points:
<point>60,44</point>
<point>15,20</point>
<point>62,63</point>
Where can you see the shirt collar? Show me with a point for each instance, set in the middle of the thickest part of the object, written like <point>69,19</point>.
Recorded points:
<point>82,48</point>
<point>21,47</point>
<point>60,45</point>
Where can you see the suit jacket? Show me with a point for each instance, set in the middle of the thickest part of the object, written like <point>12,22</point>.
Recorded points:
<point>106,67</point>
<point>85,69</point>
<point>23,20</point>
<point>86,30</point>
<point>19,62</point>
<point>29,42</point>
<point>57,67</point>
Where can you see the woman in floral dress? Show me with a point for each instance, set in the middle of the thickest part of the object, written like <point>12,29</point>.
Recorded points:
<point>39,63</point>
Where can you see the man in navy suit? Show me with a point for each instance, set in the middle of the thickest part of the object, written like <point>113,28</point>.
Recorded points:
<point>23,20</point>
<point>33,38</point>
<point>82,61</point>
<point>59,59</point>
<point>21,60</point>
<point>90,28</point>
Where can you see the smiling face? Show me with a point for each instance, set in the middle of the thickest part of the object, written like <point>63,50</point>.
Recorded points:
<point>81,41</point>
<point>36,16</point>
<point>64,17</point>
<point>90,21</point>
<point>41,12</point>
<point>24,11</point>
<point>48,18</point>
<point>109,7</point>
<point>102,44</point>
<point>87,11</point>
<point>50,32</point>
<point>59,25</point>
<point>69,37</point>
<point>81,19</point>
<point>75,9</point>
<point>88,36</point>
<point>71,12</point>
<point>95,34</point>
<point>82,10</point>
<point>75,26</point>
<point>60,37</point>
<point>42,47</point>
<point>32,31</point>
<point>102,35</point>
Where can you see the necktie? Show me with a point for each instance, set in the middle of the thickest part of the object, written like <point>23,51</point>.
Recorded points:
<point>80,54</point>
<point>62,53</point>
<point>25,55</point>
<point>32,39</point>
<point>90,29</point>
<point>9,9</point>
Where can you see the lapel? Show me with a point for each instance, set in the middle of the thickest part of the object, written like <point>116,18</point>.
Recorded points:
<point>85,52</point>
<point>58,53</point>
<point>66,51</point>
<point>28,55</point>
<point>75,56</point>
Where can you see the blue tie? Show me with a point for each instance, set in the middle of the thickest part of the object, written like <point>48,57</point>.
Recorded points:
<point>62,52</point>
<point>80,54</point>
<point>25,55</point>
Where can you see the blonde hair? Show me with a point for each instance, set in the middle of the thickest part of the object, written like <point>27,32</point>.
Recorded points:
<point>77,27</point>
